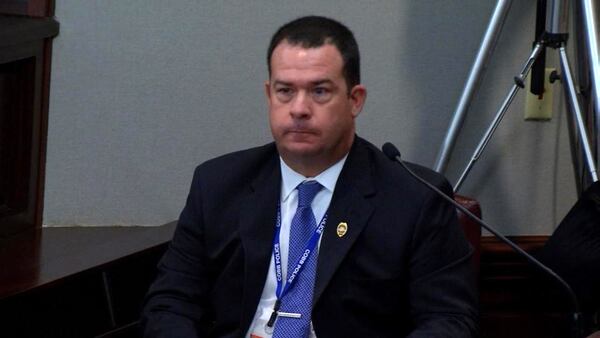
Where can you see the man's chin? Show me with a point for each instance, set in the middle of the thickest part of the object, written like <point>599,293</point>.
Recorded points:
<point>299,149</point>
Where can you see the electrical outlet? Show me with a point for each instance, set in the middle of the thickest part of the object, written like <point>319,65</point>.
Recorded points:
<point>539,108</point>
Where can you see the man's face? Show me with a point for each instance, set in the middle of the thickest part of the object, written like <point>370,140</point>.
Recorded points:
<point>311,110</point>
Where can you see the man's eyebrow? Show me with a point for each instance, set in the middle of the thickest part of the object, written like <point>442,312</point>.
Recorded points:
<point>320,82</point>
<point>281,83</point>
<point>313,83</point>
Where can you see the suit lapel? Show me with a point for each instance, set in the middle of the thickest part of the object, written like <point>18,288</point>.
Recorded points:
<point>349,204</point>
<point>257,224</point>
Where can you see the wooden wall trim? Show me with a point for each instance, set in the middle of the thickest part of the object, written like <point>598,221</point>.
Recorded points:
<point>499,262</point>
<point>506,277</point>
<point>491,244</point>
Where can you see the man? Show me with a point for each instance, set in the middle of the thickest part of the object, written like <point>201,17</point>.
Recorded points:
<point>318,234</point>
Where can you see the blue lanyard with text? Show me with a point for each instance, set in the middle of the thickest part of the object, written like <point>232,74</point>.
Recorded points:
<point>310,247</point>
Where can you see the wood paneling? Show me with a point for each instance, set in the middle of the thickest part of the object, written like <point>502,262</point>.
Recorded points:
<point>34,8</point>
<point>25,48</point>
<point>516,299</point>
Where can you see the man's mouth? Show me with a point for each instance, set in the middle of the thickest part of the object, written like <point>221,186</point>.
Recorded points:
<point>300,130</point>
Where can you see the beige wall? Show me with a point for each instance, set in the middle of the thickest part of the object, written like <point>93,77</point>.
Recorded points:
<point>143,91</point>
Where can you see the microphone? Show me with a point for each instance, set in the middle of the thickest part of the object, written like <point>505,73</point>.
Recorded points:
<point>394,154</point>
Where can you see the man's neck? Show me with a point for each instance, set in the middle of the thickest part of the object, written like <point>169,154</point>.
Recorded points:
<point>310,167</point>
<point>327,178</point>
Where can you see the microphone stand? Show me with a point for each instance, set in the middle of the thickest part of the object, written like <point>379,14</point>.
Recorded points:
<point>577,332</point>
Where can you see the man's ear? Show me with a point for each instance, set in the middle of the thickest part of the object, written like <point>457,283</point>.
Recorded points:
<point>268,90</point>
<point>358,96</point>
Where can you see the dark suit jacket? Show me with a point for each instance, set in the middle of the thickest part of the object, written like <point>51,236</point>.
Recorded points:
<point>403,267</point>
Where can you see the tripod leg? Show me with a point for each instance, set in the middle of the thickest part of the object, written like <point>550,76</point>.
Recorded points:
<point>591,15</point>
<point>593,47</point>
<point>576,111</point>
<point>500,114</point>
<point>485,51</point>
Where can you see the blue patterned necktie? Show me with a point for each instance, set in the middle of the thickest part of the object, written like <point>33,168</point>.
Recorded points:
<point>299,298</point>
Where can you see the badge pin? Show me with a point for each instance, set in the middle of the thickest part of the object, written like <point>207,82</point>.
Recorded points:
<point>342,228</point>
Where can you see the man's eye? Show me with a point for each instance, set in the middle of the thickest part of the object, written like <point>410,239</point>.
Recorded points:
<point>284,93</point>
<point>321,94</point>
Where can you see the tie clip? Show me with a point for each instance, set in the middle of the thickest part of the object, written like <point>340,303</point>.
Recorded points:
<point>288,314</point>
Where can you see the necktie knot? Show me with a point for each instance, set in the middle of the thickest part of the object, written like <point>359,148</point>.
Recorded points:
<point>307,191</point>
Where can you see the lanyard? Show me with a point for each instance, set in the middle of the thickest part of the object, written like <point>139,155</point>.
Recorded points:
<point>310,247</point>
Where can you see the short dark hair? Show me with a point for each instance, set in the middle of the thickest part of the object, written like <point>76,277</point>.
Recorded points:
<point>315,31</point>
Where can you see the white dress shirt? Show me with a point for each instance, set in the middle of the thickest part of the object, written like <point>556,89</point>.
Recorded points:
<point>289,202</point>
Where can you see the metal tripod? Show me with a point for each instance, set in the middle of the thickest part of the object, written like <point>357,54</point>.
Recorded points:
<point>555,36</point>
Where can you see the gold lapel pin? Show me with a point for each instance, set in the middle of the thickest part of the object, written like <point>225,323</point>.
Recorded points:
<point>342,228</point>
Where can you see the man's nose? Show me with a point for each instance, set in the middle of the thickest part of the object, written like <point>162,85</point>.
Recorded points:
<point>300,107</point>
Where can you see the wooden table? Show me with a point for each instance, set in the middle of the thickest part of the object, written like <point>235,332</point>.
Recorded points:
<point>77,282</point>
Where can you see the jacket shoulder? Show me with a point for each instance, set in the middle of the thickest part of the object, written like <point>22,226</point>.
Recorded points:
<point>393,173</point>
<point>239,161</point>
<point>233,170</point>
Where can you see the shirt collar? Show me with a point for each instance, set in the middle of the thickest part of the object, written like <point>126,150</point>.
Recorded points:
<point>291,179</point>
